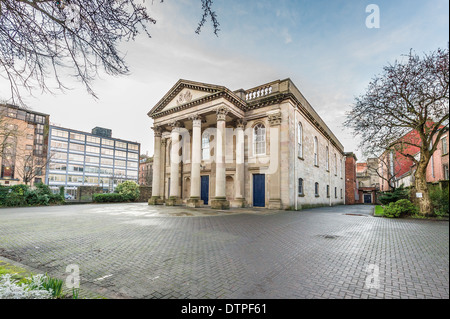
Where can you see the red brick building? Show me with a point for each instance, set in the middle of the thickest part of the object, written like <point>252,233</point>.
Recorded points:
<point>402,169</point>
<point>145,171</point>
<point>351,183</point>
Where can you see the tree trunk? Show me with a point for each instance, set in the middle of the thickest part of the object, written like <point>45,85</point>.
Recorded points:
<point>422,188</point>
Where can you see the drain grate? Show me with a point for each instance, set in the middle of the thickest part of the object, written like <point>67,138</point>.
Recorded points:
<point>356,215</point>
<point>329,236</point>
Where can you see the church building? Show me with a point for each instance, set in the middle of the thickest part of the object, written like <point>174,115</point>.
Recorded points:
<point>260,147</point>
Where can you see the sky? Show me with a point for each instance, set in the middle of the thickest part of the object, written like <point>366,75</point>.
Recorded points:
<point>323,46</point>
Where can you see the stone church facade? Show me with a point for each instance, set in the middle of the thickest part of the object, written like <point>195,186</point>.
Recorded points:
<point>261,147</point>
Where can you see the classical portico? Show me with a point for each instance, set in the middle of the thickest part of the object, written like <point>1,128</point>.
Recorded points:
<point>220,148</point>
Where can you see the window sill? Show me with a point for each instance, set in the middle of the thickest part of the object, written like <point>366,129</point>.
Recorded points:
<point>317,195</point>
<point>316,165</point>
<point>300,158</point>
<point>301,195</point>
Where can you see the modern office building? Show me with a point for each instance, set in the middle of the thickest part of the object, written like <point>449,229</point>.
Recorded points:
<point>89,159</point>
<point>23,145</point>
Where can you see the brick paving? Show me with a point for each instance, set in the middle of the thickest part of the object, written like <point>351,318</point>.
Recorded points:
<point>137,251</point>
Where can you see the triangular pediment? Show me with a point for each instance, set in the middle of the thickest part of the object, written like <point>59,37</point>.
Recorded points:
<point>184,92</point>
<point>185,96</point>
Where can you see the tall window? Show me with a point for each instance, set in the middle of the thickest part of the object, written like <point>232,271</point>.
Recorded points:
<point>444,146</point>
<point>328,158</point>
<point>316,189</point>
<point>335,164</point>
<point>300,140</point>
<point>445,166</point>
<point>300,187</point>
<point>259,139</point>
<point>328,191</point>
<point>206,146</point>
<point>316,151</point>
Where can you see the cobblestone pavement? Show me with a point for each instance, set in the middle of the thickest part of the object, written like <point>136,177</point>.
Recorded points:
<point>137,251</point>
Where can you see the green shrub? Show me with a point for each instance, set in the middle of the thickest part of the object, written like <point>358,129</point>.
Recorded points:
<point>440,201</point>
<point>20,189</point>
<point>108,198</point>
<point>392,197</point>
<point>62,191</point>
<point>129,190</point>
<point>400,208</point>
<point>14,199</point>
<point>22,195</point>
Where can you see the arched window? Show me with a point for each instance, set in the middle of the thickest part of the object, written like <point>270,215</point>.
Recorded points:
<point>259,139</point>
<point>206,147</point>
<point>316,151</point>
<point>300,187</point>
<point>328,158</point>
<point>300,140</point>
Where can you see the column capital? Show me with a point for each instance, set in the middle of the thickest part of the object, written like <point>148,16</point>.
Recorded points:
<point>157,130</point>
<point>197,120</point>
<point>222,112</point>
<point>274,118</point>
<point>175,125</point>
<point>241,123</point>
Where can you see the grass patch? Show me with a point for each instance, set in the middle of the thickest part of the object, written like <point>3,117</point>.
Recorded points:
<point>379,211</point>
<point>16,272</point>
<point>22,276</point>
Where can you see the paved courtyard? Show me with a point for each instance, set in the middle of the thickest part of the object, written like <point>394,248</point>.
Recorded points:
<point>137,251</point>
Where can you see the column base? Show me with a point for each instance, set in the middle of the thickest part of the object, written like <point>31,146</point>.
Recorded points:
<point>194,202</point>
<point>238,203</point>
<point>220,203</point>
<point>156,200</point>
<point>174,201</point>
<point>275,204</point>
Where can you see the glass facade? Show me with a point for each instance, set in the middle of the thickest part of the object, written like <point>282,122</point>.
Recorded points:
<point>83,159</point>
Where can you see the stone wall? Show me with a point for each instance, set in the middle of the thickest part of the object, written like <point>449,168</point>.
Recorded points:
<point>84,193</point>
<point>146,194</point>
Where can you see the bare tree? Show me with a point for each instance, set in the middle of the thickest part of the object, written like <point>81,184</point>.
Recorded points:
<point>40,38</point>
<point>31,166</point>
<point>26,164</point>
<point>403,110</point>
<point>388,169</point>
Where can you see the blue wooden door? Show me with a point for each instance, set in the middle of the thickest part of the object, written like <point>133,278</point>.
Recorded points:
<point>205,189</point>
<point>259,190</point>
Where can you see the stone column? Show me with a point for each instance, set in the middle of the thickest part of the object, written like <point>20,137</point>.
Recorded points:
<point>275,161</point>
<point>156,195</point>
<point>239,182</point>
<point>162,186</point>
<point>174,198</point>
<point>194,200</point>
<point>220,200</point>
